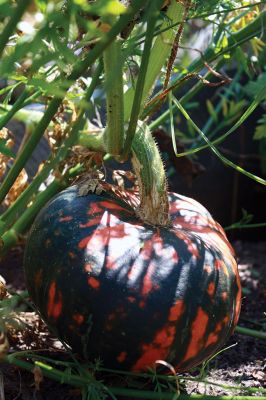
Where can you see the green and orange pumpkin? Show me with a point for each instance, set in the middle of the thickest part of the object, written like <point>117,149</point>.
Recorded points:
<point>129,293</point>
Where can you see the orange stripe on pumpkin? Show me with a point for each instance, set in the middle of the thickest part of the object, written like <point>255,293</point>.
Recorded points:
<point>55,303</point>
<point>224,296</point>
<point>198,329</point>
<point>150,353</point>
<point>38,278</point>
<point>93,221</point>
<point>93,282</point>
<point>220,264</point>
<point>211,289</point>
<point>111,206</point>
<point>147,281</point>
<point>122,356</point>
<point>88,267</point>
<point>207,268</point>
<point>214,336</point>
<point>176,310</point>
<point>78,318</point>
<point>66,218</point>
<point>162,342</point>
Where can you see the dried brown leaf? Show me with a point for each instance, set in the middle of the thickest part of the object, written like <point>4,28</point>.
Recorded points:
<point>38,376</point>
<point>3,289</point>
<point>4,345</point>
<point>18,187</point>
<point>5,134</point>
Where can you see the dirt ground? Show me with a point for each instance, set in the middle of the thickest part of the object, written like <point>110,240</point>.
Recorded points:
<point>242,364</point>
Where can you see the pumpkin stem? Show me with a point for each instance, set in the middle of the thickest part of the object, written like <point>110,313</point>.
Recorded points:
<point>149,169</point>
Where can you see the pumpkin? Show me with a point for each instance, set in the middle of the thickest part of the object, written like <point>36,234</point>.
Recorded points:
<point>128,293</point>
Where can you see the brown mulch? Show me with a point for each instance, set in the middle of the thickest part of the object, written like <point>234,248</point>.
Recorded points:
<point>242,364</point>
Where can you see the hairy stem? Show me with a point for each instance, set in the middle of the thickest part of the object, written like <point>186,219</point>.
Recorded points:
<point>148,166</point>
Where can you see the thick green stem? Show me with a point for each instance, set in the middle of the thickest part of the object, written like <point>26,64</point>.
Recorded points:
<point>21,7</point>
<point>158,57</point>
<point>107,39</point>
<point>113,67</point>
<point>78,70</point>
<point>146,159</point>
<point>148,166</point>
<point>12,111</point>
<point>143,76</point>
<point>250,332</point>
<point>26,116</point>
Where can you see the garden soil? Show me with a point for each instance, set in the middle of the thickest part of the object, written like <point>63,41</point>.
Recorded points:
<point>242,363</point>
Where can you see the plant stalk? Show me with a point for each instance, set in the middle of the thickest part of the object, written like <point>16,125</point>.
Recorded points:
<point>81,382</point>
<point>78,70</point>
<point>146,159</point>
<point>250,332</point>
<point>28,148</point>
<point>19,205</point>
<point>149,169</point>
<point>21,7</point>
<point>139,93</point>
<point>159,54</point>
<point>21,101</point>
<point>240,37</point>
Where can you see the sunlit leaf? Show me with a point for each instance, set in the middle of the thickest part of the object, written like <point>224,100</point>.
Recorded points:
<point>212,147</point>
<point>253,87</point>
<point>211,110</point>
<point>102,7</point>
<point>105,7</point>
<point>260,132</point>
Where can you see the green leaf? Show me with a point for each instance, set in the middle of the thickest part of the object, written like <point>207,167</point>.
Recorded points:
<point>211,5</point>
<point>255,103</point>
<point>211,110</point>
<point>113,7</point>
<point>242,60</point>
<point>6,150</point>
<point>262,150</point>
<point>253,87</point>
<point>102,7</point>
<point>215,150</point>
<point>260,132</point>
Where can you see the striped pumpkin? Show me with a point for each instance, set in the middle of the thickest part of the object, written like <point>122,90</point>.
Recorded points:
<point>131,294</point>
